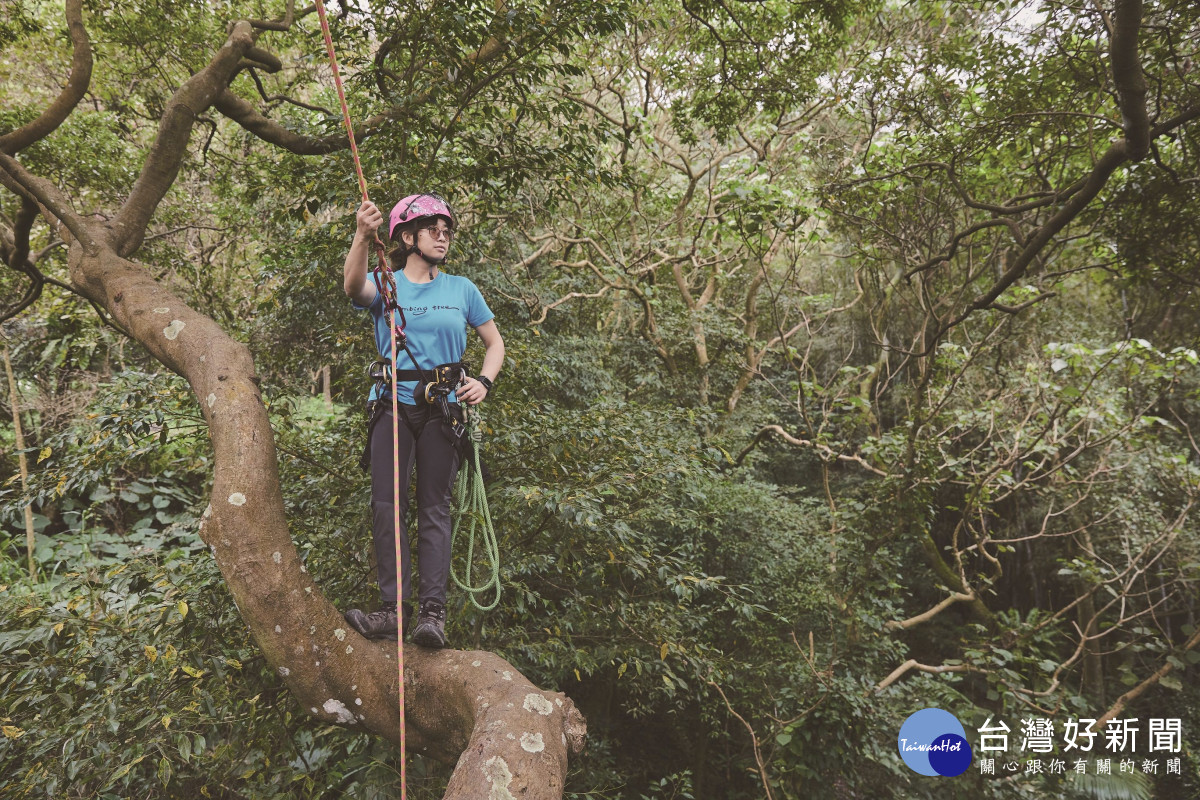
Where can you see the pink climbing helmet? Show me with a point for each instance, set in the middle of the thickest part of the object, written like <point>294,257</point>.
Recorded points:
<point>416,206</point>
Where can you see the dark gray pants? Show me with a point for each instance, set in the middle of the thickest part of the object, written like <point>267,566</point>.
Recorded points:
<point>426,442</point>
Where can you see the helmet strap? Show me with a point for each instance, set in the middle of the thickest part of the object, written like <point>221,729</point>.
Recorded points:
<point>429,260</point>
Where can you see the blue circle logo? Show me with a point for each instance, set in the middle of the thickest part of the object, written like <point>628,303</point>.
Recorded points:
<point>933,742</point>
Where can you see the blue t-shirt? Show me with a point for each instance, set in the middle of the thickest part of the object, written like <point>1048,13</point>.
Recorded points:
<point>436,314</point>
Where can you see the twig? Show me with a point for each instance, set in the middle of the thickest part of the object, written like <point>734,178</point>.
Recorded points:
<point>762,769</point>
<point>957,597</point>
<point>823,449</point>
<point>912,664</point>
<point>1142,687</point>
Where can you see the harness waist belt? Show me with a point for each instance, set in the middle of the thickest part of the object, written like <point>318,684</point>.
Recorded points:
<point>382,371</point>
<point>444,377</point>
<point>442,373</point>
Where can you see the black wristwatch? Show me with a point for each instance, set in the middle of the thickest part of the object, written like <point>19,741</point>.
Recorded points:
<point>487,382</point>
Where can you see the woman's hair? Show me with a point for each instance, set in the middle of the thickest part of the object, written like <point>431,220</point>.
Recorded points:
<point>398,255</point>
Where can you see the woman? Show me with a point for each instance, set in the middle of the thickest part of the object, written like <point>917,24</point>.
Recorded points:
<point>437,309</point>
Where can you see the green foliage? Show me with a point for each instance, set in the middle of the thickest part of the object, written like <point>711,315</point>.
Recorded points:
<point>135,676</point>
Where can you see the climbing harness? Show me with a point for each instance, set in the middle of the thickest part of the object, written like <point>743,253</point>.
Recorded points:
<point>433,387</point>
<point>473,506</point>
<point>396,335</point>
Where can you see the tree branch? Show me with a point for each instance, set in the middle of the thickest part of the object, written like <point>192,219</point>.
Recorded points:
<point>14,248</point>
<point>53,203</point>
<point>31,294</point>
<point>1142,687</point>
<point>258,57</point>
<point>280,98</point>
<point>265,128</point>
<point>762,768</point>
<point>952,247</point>
<point>244,114</point>
<point>1128,77</point>
<point>1081,193</point>
<point>1116,155</point>
<point>22,225</point>
<point>197,93</point>
<point>569,296</point>
<point>71,94</point>
<point>825,450</point>
<point>957,597</point>
<point>1017,309</point>
<point>285,22</point>
<point>912,664</point>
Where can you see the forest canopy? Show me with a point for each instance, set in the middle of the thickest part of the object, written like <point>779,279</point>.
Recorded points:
<point>852,370</point>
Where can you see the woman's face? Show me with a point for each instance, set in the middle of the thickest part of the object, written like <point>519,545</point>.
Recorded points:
<point>434,237</point>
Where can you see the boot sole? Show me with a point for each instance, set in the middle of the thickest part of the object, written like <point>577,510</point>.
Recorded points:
<point>428,640</point>
<point>392,635</point>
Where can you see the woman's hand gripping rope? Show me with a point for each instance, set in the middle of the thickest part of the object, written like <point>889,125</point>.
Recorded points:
<point>369,218</point>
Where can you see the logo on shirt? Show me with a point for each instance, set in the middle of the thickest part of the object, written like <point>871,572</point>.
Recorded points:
<point>417,311</point>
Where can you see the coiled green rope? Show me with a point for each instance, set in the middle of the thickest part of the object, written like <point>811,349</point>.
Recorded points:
<point>473,505</point>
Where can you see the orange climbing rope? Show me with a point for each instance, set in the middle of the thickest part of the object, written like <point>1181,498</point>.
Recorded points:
<point>397,333</point>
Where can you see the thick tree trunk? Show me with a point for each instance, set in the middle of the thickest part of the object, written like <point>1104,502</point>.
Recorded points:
<point>509,738</point>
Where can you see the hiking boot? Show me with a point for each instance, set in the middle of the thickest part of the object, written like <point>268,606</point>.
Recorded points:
<point>431,625</point>
<point>379,624</point>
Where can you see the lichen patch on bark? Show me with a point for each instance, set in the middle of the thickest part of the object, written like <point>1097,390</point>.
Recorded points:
<point>532,743</point>
<point>338,709</point>
<point>538,703</point>
<point>496,770</point>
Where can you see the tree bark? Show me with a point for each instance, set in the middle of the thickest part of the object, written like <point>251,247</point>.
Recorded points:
<point>1128,77</point>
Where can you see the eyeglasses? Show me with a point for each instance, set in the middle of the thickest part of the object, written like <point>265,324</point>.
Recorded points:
<point>438,234</point>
